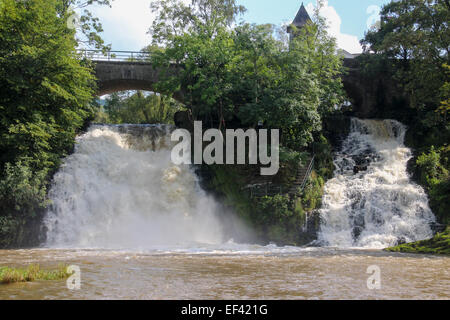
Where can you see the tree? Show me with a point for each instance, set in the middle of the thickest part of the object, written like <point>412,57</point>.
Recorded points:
<point>444,108</point>
<point>90,26</point>
<point>241,73</point>
<point>45,99</point>
<point>174,18</point>
<point>413,35</point>
<point>140,109</point>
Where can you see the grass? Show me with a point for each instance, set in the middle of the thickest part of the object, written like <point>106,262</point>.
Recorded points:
<point>31,273</point>
<point>440,244</point>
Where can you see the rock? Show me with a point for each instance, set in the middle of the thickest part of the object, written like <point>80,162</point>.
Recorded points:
<point>182,120</point>
<point>358,169</point>
<point>437,227</point>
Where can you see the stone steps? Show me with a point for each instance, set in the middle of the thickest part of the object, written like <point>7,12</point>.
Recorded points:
<point>262,186</point>
<point>300,177</point>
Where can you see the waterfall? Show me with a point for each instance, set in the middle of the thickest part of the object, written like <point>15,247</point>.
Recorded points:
<point>120,190</point>
<point>371,201</point>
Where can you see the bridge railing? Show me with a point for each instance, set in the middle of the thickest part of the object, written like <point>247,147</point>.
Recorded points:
<point>117,56</point>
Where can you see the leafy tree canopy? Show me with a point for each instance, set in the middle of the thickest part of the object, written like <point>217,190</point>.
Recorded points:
<point>244,73</point>
<point>89,25</point>
<point>139,108</point>
<point>46,95</point>
<point>45,91</point>
<point>413,35</point>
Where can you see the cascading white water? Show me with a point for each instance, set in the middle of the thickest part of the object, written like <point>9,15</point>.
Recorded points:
<point>120,190</point>
<point>371,201</point>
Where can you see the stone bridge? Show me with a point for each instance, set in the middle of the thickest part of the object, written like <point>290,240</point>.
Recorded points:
<point>121,76</point>
<point>122,70</point>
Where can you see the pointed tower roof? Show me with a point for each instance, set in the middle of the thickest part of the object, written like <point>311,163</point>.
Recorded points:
<point>301,18</point>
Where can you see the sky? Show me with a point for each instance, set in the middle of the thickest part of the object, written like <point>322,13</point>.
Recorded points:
<point>127,22</point>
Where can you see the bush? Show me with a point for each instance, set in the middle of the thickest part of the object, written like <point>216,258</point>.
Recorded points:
<point>22,191</point>
<point>274,210</point>
<point>433,169</point>
<point>22,198</point>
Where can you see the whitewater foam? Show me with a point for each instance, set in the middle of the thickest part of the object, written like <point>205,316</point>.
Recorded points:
<point>120,190</point>
<point>371,201</point>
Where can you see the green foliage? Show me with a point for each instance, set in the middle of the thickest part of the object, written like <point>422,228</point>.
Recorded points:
<point>274,210</point>
<point>45,99</point>
<point>243,72</point>
<point>89,26</point>
<point>292,157</point>
<point>312,195</point>
<point>433,168</point>
<point>276,220</point>
<point>444,108</point>
<point>413,35</point>
<point>431,165</point>
<point>10,229</point>
<point>21,190</point>
<point>324,161</point>
<point>138,109</point>
<point>440,244</point>
<point>31,273</point>
<point>175,18</point>
<point>228,182</point>
<point>45,92</point>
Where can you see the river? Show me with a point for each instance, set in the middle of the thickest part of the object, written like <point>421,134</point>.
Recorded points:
<point>237,273</point>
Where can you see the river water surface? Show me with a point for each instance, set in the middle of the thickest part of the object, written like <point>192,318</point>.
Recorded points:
<point>246,273</point>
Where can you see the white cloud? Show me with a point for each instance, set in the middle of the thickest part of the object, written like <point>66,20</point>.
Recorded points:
<point>126,23</point>
<point>347,42</point>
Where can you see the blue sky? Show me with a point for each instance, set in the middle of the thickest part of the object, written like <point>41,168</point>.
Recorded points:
<point>352,12</point>
<point>127,22</point>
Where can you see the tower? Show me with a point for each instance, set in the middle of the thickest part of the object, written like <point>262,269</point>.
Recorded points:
<point>301,19</point>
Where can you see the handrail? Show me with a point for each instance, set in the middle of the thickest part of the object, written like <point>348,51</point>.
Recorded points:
<point>116,56</point>
<point>264,189</point>
<point>308,173</point>
<point>270,189</point>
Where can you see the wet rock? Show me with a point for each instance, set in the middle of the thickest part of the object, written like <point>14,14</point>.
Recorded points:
<point>311,229</point>
<point>358,169</point>
<point>437,227</point>
<point>182,120</point>
<point>356,232</point>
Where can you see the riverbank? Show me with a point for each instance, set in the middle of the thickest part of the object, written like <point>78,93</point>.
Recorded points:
<point>439,245</point>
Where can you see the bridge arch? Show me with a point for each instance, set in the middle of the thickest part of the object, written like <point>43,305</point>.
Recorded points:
<point>113,76</point>
<point>120,76</point>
